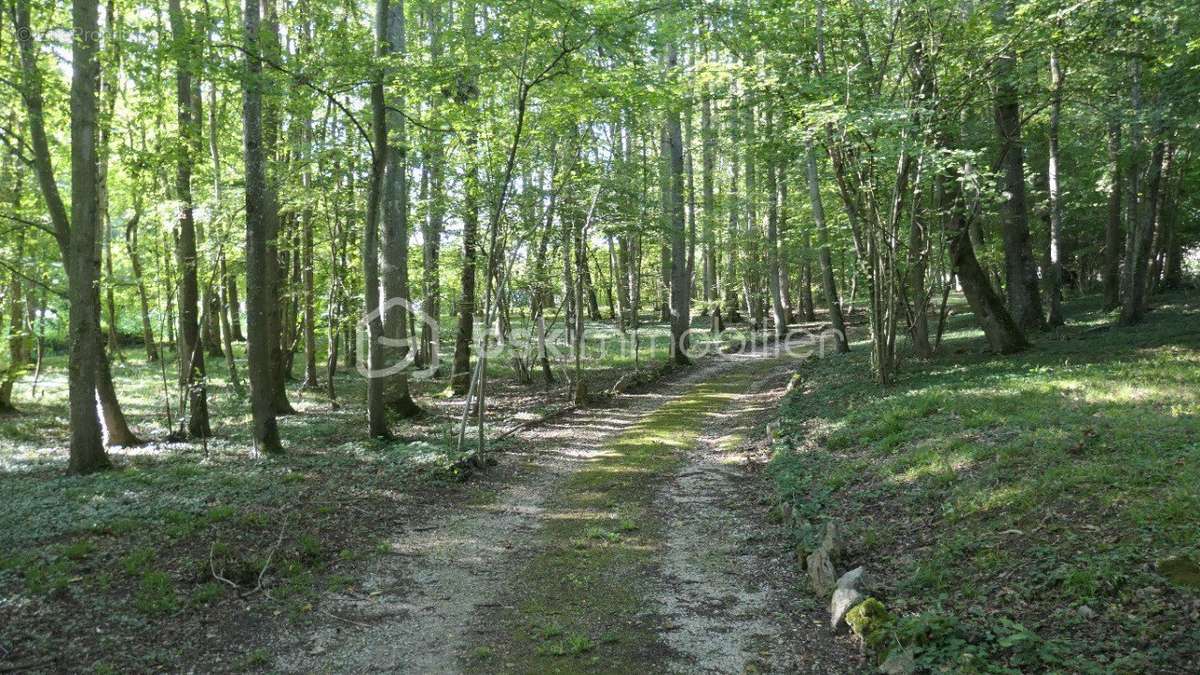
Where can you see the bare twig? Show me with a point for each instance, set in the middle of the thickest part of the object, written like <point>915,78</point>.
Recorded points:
<point>213,567</point>
<point>271,554</point>
<point>341,618</point>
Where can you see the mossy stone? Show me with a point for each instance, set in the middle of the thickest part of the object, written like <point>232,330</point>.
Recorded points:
<point>870,620</point>
<point>1181,570</point>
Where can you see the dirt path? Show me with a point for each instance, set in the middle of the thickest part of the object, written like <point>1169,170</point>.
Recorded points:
<point>628,537</point>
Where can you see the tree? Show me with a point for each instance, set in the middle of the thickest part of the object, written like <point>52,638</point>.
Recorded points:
<point>681,283</point>
<point>191,351</point>
<point>260,209</point>
<point>1021,279</point>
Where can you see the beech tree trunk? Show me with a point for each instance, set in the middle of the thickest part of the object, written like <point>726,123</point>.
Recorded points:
<point>1003,334</point>
<point>828,283</point>
<point>376,402</point>
<point>778,313</point>
<point>1021,279</point>
<point>397,396</point>
<point>191,351</point>
<point>1133,304</point>
<point>260,209</point>
<point>1054,285</point>
<point>708,140</point>
<point>460,377</point>
<point>1111,271</point>
<point>87,356</point>
<point>680,282</point>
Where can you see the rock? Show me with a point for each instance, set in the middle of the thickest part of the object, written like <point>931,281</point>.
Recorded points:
<point>1086,613</point>
<point>852,579</point>
<point>844,599</point>
<point>820,572</point>
<point>786,513</point>
<point>831,543</point>
<point>820,563</point>
<point>898,662</point>
<point>1180,570</point>
<point>772,432</point>
<point>794,382</point>
<point>870,621</point>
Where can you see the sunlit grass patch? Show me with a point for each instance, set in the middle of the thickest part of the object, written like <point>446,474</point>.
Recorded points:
<point>1055,477</point>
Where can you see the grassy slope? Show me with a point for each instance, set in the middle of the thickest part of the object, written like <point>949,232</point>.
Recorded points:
<point>992,497</point>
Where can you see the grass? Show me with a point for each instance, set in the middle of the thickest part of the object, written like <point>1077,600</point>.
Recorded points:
<point>997,497</point>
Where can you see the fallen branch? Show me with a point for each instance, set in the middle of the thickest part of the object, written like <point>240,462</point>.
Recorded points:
<point>270,555</point>
<point>339,618</point>
<point>213,567</point>
<point>540,420</point>
<point>26,665</point>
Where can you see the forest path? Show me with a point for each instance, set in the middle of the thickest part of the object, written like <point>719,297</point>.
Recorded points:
<point>632,539</point>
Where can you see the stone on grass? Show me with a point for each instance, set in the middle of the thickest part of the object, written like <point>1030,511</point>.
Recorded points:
<point>852,579</point>
<point>870,621</point>
<point>832,543</point>
<point>844,599</point>
<point>1180,570</point>
<point>1086,613</point>
<point>820,572</point>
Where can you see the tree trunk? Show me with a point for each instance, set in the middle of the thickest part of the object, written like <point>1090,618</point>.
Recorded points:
<point>1111,271</point>
<point>16,326</point>
<point>397,397</point>
<point>1003,334</point>
<point>828,283</point>
<point>310,310</point>
<point>1021,280</point>
<point>191,350</point>
<point>431,253</point>
<point>274,275</point>
<point>1133,304</point>
<point>778,313</point>
<point>680,282</point>
<point>87,453</point>
<point>227,332</point>
<point>260,209</point>
<point>376,403</point>
<point>1056,237</point>
<point>460,378</point>
<point>708,140</point>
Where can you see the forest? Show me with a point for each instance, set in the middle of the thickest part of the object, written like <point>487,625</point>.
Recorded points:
<point>599,336</point>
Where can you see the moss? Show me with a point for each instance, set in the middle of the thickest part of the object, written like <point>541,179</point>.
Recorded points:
<point>1181,570</point>
<point>870,621</point>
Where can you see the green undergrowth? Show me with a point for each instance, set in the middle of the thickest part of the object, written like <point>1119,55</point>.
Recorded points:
<point>1013,509</point>
<point>582,604</point>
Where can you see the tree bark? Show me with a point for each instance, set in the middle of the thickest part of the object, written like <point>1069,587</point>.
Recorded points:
<point>1024,299</point>
<point>828,283</point>
<point>376,403</point>
<point>275,272</point>
<point>1003,334</point>
<point>680,282</point>
<point>191,350</point>
<point>460,378</point>
<point>260,209</point>
<point>395,342</point>
<point>708,140</point>
<point>87,357</point>
<point>1111,272</point>
<point>1133,304</point>
<point>1054,286</point>
<point>778,313</point>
